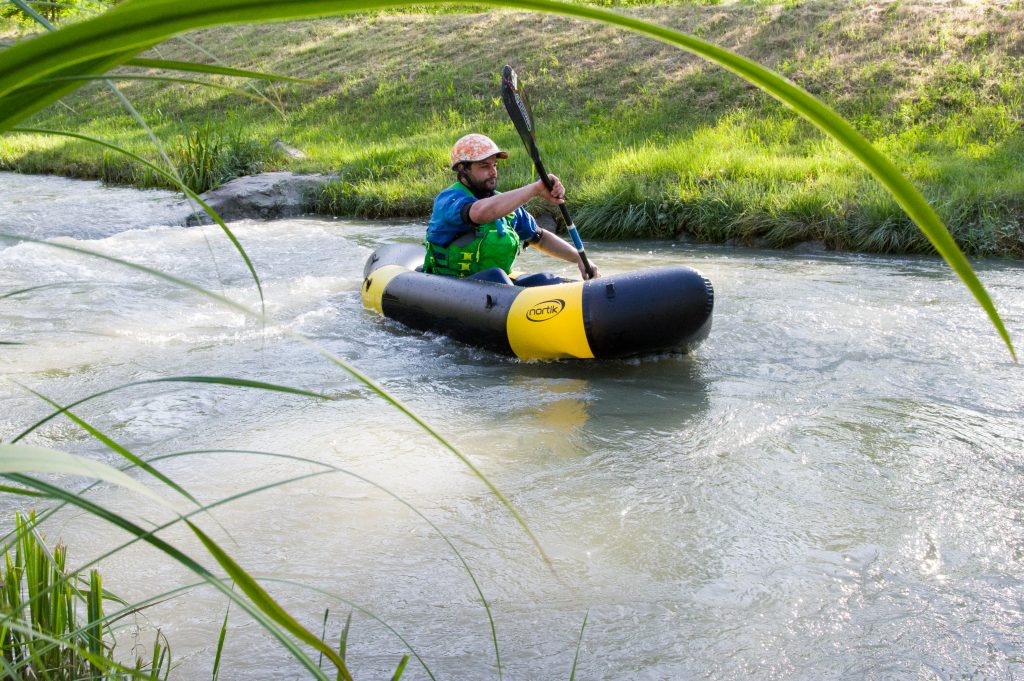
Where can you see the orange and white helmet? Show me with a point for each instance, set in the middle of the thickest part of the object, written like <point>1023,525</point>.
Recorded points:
<point>474,147</point>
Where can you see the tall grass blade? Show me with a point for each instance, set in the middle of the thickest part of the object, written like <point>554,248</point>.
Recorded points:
<point>16,459</point>
<point>94,626</point>
<point>120,34</point>
<point>264,602</point>
<point>343,639</point>
<point>173,65</point>
<point>64,284</point>
<point>209,380</point>
<point>7,489</point>
<point>33,14</point>
<point>158,656</point>
<point>119,449</point>
<point>10,672</point>
<point>221,637</point>
<point>401,668</point>
<point>579,644</point>
<point>323,638</point>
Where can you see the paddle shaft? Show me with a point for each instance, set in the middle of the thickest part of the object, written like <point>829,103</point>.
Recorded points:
<point>519,111</point>
<point>573,234</point>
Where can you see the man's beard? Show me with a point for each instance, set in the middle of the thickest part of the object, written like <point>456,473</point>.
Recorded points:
<point>478,191</point>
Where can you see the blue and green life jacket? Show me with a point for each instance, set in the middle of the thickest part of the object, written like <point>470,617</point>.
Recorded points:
<point>493,244</point>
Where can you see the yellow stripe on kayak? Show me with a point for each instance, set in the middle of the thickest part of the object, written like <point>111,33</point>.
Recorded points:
<point>373,287</point>
<point>546,322</point>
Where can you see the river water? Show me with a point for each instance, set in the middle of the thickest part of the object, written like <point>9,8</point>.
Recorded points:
<point>829,488</point>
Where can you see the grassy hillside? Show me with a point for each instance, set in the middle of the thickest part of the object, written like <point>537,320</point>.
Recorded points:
<point>650,140</point>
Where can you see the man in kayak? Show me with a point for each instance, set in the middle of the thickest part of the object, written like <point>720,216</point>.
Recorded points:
<point>477,232</point>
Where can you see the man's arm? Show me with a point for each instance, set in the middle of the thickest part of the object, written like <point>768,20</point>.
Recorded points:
<point>553,245</point>
<point>500,205</point>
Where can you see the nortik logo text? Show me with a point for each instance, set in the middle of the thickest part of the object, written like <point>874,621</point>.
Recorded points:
<point>541,312</point>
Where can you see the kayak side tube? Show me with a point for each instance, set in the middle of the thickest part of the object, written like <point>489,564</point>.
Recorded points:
<point>657,310</point>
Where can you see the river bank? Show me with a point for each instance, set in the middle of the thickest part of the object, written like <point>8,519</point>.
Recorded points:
<point>283,194</point>
<point>651,141</point>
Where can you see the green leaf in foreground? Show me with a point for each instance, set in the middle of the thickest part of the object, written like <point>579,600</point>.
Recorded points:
<point>579,644</point>
<point>401,668</point>
<point>30,459</point>
<point>119,449</point>
<point>173,65</point>
<point>220,643</point>
<point>39,287</point>
<point>258,595</point>
<point>117,36</point>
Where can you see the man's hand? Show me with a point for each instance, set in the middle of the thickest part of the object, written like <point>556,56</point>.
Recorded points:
<point>557,193</point>
<point>583,269</point>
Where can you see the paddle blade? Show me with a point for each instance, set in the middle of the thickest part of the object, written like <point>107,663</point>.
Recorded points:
<point>518,108</point>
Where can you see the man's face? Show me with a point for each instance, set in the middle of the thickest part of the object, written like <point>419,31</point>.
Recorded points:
<point>484,174</point>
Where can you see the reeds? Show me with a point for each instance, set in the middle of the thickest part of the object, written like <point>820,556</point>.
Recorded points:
<point>53,625</point>
<point>207,156</point>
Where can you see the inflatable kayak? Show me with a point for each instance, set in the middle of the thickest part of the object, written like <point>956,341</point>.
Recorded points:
<point>666,309</point>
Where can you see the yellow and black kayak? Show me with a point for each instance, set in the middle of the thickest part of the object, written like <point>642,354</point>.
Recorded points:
<point>665,309</point>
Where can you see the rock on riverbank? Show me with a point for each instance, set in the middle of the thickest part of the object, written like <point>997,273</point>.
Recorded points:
<point>266,196</point>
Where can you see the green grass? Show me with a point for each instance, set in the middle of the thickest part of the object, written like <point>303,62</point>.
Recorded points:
<point>651,141</point>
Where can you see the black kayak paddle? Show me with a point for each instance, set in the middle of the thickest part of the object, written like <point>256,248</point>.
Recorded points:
<point>519,111</point>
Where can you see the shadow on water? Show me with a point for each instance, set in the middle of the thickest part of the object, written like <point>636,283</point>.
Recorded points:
<point>657,391</point>
<point>568,409</point>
